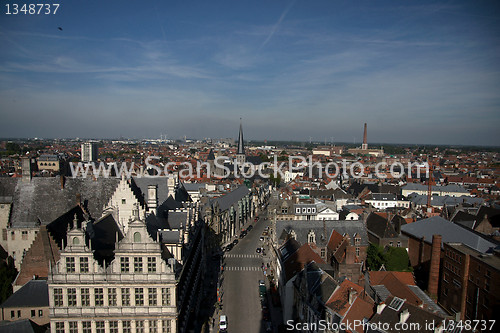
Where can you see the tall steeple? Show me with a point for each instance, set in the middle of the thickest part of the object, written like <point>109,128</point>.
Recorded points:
<point>240,154</point>
<point>241,146</point>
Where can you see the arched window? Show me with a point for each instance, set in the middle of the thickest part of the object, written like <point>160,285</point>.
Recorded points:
<point>137,237</point>
<point>76,241</point>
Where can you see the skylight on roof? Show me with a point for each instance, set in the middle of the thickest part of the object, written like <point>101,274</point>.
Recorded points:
<point>396,303</point>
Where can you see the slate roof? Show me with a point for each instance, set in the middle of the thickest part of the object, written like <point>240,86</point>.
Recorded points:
<point>142,184</point>
<point>33,294</point>
<point>23,325</point>
<point>383,197</point>
<point>446,188</point>
<point>493,215</point>
<point>450,232</point>
<point>417,315</point>
<point>380,226</point>
<point>439,200</point>
<point>43,199</point>
<point>302,229</point>
<point>226,201</point>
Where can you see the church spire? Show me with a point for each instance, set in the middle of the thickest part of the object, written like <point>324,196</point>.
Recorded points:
<point>241,146</point>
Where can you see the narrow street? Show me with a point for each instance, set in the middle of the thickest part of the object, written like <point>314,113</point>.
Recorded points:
<point>243,268</point>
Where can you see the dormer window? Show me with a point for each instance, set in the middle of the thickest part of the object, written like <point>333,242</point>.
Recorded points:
<point>124,201</point>
<point>137,237</point>
<point>76,241</point>
<point>311,237</point>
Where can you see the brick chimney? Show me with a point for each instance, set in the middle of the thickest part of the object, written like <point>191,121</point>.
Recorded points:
<point>364,146</point>
<point>432,287</point>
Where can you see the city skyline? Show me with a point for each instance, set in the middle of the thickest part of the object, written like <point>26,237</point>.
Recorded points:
<point>423,73</point>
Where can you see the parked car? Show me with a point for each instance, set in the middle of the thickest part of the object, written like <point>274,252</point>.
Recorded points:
<point>262,283</point>
<point>223,323</point>
<point>258,250</point>
<point>250,227</point>
<point>229,247</point>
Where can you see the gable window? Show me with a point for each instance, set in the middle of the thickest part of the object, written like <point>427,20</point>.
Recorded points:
<point>137,237</point>
<point>70,264</point>
<point>399,244</point>
<point>357,251</point>
<point>40,313</point>
<point>137,264</point>
<point>24,235</point>
<point>33,313</point>
<point>84,265</point>
<point>124,201</point>
<point>124,264</point>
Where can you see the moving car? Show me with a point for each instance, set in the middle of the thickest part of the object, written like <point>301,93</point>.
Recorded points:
<point>258,250</point>
<point>262,283</point>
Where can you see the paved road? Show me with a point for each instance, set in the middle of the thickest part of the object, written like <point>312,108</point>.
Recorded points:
<point>242,272</point>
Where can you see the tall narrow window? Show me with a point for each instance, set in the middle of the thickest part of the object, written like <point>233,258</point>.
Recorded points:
<point>84,265</point>
<point>139,326</point>
<point>112,296</point>
<point>139,296</point>
<point>85,296</point>
<point>58,297</point>
<point>167,326</point>
<point>87,326</point>
<point>99,296</point>
<point>151,264</point>
<point>137,237</point>
<point>124,264</point>
<point>153,326</point>
<point>137,264</point>
<point>126,326</point>
<point>152,296</point>
<point>71,296</point>
<point>73,327</point>
<point>165,296</point>
<point>125,297</point>
<point>99,327</point>
<point>113,326</point>
<point>70,264</point>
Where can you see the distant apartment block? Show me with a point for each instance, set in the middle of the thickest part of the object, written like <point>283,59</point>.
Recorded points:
<point>90,152</point>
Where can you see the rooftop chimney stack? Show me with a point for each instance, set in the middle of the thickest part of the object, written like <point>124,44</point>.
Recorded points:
<point>434,268</point>
<point>152,198</point>
<point>364,146</point>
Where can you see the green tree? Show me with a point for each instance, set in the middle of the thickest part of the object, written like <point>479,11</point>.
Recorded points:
<point>375,257</point>
<point>397,259</point>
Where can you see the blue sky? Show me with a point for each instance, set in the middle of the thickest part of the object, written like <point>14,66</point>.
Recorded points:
<point>415,71</point>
